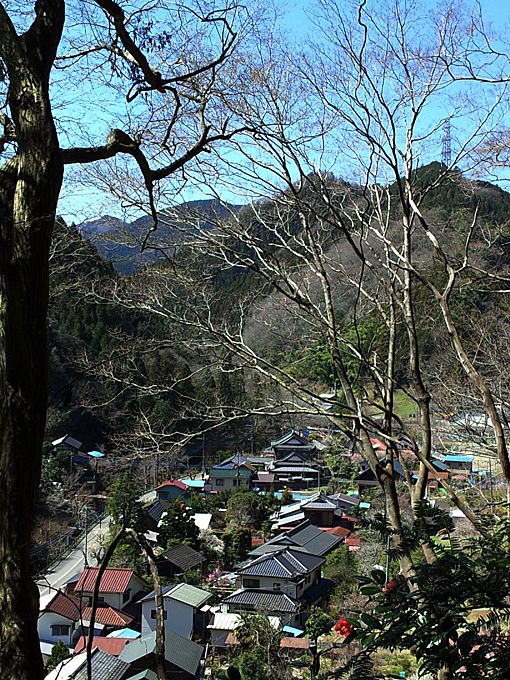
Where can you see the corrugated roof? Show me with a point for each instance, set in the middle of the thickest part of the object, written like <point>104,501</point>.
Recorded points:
<point>226,473</point>
<point>458,459</point>
<point>343,498</point>
<point>264,600</point>
<point>183,556</point>
<point>296,468</point>
<point>156,509</point>
<point>179,651</point>
<point>124,633</point>
<point>109,645</point>
<point>66,605</point>
<point>295,643</point>
<point>267,477</point>
<point>285,642</point>
<point>224,621</point>
<point>183,592</point>
<point>114,580</point>
<point>145,675</point>
<point>108,616</point>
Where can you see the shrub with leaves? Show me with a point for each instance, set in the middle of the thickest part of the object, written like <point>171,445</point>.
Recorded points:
<point>433,612</point>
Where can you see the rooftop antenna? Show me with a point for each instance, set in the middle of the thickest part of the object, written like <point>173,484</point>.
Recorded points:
<point>446,153</point>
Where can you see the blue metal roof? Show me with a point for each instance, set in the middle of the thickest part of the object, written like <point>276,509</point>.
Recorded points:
<point>292,632</point>
<point>124,633</point>
<point>95,454</point>
<point>458,459</point>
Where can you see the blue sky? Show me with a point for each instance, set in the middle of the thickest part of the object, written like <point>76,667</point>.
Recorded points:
<point>80,203</point>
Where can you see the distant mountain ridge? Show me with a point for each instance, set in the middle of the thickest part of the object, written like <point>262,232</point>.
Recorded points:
<point>120,241</point>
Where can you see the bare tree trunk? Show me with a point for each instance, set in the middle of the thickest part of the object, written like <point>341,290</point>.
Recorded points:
<point>160,605</point>
<point>95,596</point>
<point>29,188</point>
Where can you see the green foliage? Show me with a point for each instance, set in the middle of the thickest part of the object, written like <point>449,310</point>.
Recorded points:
<point>59,652</point>
<point>247,508</point>
<point>56,465</point>
<point>123,504</point>
<point>237,542</point>
<point>433,613</point>
<point>341,466</point>
<point>318,623</point>
<point>286,498</point>
<point>193,577</point>
<point>260,656</point>
<point>177,526</point>
<point>127,552</point>
<point>341,567</point>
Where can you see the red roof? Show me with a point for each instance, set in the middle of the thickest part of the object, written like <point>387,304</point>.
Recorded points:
<point>336,531</point>
<point>66,605</point>
<point>352,542</point>
<point>108,616</point>
<point>175,482</point>
<point>114,580</point>
<point>443,475</point>
<point>288,642</point>
<point>113,646</point>
<point>295,643</point>
<point>257,541</point>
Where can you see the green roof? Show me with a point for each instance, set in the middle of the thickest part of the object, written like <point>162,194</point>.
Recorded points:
<point>179,651</point>
<point>145,675</point>
<point>183,592</point>
<point>229,473</point>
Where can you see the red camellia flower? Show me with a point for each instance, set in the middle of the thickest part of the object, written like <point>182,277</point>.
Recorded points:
<point>391,587</point>
<point>344,627</point>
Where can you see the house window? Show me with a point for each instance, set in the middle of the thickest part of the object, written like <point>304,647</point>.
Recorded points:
<point>153,614</point>
<point>277,586</point>
<point>59,630</point>
<point>126,596</point>
<point>220,482</point>
<point>251,583</point>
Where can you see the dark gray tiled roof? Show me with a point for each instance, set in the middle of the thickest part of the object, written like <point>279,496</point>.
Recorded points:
<point>304,536</point>
<point>180,651</point>
<point>282,564</point>
<point>263,600</point>
<point>104,667</point>
<point>343,498</point>
<point>183,556</point>
<point>290,436</point>
<point>156,509</point>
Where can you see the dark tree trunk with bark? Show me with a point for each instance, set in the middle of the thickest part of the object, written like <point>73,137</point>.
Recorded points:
<point>29,188</point>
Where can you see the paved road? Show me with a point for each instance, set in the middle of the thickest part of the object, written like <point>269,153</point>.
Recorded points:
<point>74,563</point>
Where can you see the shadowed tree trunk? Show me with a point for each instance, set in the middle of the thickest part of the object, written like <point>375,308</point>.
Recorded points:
<point>29,188</point>
<point>30,183</point>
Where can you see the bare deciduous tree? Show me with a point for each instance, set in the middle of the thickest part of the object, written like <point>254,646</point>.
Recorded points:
<point>163,71</point>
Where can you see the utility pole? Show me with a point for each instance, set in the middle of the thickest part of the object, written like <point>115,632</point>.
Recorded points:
<point>86,534</point>
<point>203,454</point>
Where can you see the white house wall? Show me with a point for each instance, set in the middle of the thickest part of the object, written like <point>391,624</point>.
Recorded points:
<point>49,619</point>
<point>179,617</point>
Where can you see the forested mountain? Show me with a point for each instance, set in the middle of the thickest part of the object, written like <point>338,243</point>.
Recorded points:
<point>121,366</point>
<point>121,242</point>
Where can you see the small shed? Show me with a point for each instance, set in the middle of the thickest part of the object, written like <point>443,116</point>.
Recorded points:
<point>172,490</point>
<point>177,560</point>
